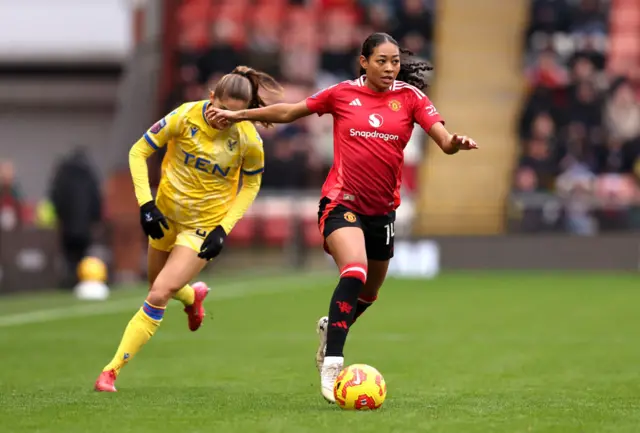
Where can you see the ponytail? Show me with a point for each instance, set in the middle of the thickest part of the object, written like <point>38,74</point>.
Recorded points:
<point>244,83</point>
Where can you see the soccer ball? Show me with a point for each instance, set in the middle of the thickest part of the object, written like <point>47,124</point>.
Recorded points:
<point>92,269</point>
<point>92,273</point>
<point>360,387</point>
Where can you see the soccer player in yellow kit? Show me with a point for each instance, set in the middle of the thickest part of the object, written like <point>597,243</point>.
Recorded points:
<point>197,203</point>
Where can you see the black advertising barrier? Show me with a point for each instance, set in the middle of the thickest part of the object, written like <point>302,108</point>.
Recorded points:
<point>28,260</point>
<point>28,257</point>
<point>542,252</point>
<point>426,257</point>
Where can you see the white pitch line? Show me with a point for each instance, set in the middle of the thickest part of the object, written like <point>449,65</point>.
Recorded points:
<point>230,290</point>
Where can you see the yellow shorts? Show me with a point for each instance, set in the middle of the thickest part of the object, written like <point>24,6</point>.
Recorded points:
<point>178,234</point>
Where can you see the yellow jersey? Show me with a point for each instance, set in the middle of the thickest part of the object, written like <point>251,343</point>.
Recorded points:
<point>201,169</point>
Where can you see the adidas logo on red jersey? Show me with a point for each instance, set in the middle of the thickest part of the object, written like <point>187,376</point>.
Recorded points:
<point>356,103</point>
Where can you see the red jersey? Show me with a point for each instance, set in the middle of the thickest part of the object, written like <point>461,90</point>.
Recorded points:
<point>370,132</point>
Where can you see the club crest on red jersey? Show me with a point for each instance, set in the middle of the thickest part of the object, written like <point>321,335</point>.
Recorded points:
<point>395,105</point>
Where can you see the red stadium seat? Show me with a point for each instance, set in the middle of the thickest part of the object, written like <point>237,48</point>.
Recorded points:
<point>277,222</point>
<point>277,230</point>
<point>308,211</point>
<point>624,37</point>
<point>244,233</point>
<point>312,236</point>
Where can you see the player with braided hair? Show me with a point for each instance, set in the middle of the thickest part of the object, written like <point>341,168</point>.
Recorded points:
<point>412,69</point>
<point>373,117</point>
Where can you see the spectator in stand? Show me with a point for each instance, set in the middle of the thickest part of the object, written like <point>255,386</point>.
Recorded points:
<point>575,187</point>
<point>10,198</point>
<point>614,157</point>
<point>547,71</point>
<point>530,210</point>
<point>380,17</point>
<point>76,196</point>
<point>340,49</point>
<point>622,112</point>
<point>414,27</point>
<point>616,194</point>
<point>541,99</point>
<point>585,107</point>
<point>526,180</point>
<point>539,157</point>
<point>543,127</point>
<point>548,17</point>
<point>589,17</point>
<point>289,159</point>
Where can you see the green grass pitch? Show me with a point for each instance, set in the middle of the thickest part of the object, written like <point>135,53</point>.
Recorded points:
<point>464,353</point>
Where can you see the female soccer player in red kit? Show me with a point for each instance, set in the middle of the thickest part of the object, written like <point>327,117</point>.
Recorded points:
<point>373,121</point>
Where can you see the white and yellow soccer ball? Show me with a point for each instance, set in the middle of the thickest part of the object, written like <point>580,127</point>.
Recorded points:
<point>360,387</point>
<point>92,273</point>
<point>92,269</point>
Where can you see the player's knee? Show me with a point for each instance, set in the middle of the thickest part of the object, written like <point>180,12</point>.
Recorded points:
<point>164,289</point>
<point>368,298</point>
<point>354,270</point>
<point>369,292</point>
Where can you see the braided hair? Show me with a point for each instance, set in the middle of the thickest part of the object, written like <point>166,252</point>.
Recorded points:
<point>412,69</point>
<point>244,83</point>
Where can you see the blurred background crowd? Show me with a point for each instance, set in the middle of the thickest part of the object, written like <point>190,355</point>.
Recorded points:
<point>578,162</point>
<point>580,122</point>
<point>306,46</point>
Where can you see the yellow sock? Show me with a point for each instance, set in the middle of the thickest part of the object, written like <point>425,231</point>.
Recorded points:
<point>186,295</point>
<point>139,330</point>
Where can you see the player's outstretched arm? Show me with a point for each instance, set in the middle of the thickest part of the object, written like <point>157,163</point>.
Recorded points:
<point>276,113</point>
<point>450,143</point>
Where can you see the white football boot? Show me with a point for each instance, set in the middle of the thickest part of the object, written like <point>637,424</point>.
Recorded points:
<point>331,368</point>
<point>321,330</point>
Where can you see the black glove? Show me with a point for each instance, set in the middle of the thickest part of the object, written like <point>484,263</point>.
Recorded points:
<point>152,220</point>
<point>212,244</point>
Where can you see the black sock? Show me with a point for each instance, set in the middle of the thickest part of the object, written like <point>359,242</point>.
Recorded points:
<point>342,312</point>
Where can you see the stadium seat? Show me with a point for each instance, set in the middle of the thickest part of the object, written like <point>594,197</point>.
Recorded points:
<point>312,236</point>
<point>277,230</point>
<point>308,212</point>
<point>624,38</point>
<point>244,233</point>
<point>277,222</point>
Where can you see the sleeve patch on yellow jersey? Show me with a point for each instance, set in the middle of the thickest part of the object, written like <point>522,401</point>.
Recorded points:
<point>158,126</point>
